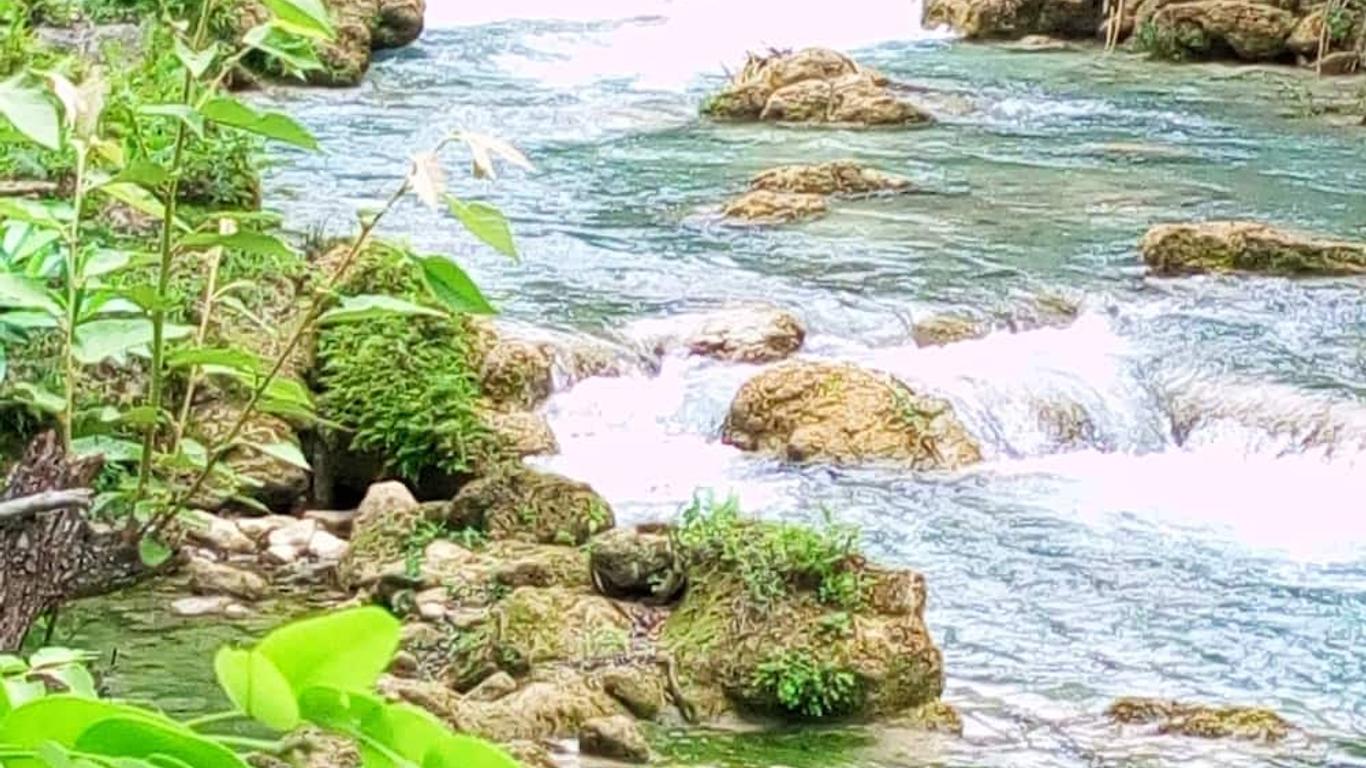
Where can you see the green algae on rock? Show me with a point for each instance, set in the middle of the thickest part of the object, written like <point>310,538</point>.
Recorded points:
<point>810,411</point>
<point>516,502</point>
<point>1247,246</point>
<point>1207,722</point>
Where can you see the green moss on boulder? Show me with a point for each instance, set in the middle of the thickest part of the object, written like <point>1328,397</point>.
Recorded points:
<point>1198,720</point>
<point>517,502</point>
<point>1247,246</point>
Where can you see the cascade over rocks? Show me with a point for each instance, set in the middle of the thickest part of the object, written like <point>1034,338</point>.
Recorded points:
<point>1005,19</point>
<point>1247,246</point>
<point>810,411</point>
<point>814,85</point>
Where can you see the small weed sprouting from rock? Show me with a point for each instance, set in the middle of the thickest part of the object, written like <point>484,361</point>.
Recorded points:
<point>803,685</point>
<point>772,559</point>
<point>415,546</point>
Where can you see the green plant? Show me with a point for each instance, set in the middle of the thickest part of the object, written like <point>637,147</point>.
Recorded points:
<point>297,675</point>
<point>772,559</point>
<point>803,685</point>
<point>1169,43</point>
<point>107,305</point>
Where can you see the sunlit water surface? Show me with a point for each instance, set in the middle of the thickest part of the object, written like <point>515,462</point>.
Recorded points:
<point>1228,565</point>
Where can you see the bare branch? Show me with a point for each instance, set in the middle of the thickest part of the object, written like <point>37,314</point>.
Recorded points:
<point>47,501</point>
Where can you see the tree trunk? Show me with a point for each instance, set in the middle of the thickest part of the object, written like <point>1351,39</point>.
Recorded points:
<point>49,551</point>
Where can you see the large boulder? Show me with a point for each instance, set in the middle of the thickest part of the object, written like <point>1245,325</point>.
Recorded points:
<point>1251,30</point>
<point>812,85</point>
<point>517,502</point>
<point>1005,19</point>
<point>793,652</point>
<point>556,624</point>
<point>1247,246</point>
<point>845,414</point>
<point>398,23</point>
<point>841,177</point>
<point>1184,719</point>
<point>617,738</point>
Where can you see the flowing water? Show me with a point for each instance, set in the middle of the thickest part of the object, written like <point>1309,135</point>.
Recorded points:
<point>1219,558</point>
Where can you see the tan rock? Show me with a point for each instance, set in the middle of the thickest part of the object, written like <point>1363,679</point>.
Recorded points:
<point>617,738</point>
<point>1180,718</point>
<point>387,516</point>
<point>530,505</point>
<point>399,23</point>
<point>220,535</point>
<point>210,578</point>
<point>762,206</point>
<point>836,178</point>
<point>523,433</point>
<point>493,688</point>
<point>1253,31</point>
<point>807,411</point>
<point>756,334</point>
<point>1246,246</point>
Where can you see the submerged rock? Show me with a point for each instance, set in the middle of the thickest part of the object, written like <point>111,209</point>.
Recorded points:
<point>617,738</point>
<point>1007,19</point>
<point>836,178</point>
<point>745,334</point>
<point>1180,718</point>
<point>808,411</point>
<point>522,503</point>
<point>763,206</point>
<point>1247,246</point>
<point>813,85</point>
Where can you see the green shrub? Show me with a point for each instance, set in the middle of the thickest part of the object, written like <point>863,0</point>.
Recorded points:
<point>404,387</point>
<point>772,559</point>
<point>800,684</point>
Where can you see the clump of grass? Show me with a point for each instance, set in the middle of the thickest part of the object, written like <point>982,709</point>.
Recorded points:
<point>772,559</point>
<point>802,685</point>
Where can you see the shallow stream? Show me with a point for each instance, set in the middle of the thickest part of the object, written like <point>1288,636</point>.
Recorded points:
<point>1219,558</point>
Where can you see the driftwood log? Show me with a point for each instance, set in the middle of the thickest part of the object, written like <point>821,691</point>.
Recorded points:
<point>50,551</point>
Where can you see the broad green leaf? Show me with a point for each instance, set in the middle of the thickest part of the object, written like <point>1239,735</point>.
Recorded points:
<point>293,52</point>
<point>144,173</point>
<point>308,16</point>
<point>30,111</point>
<point>11,664</point>
<point>197,62</point>
<point>285,451</point>
<point>28,320</point>
<point>450,285</point>
<point>23,240</point>
<point>307,652</point>
<point>60,718</point>
<point>138,199</point>
<point>257,243</point>
<point>19,292</point>
<point>139,737</point>
<point>182,112</point>
<point>113,338</point>
<point>54,656</point>
<point>257,687</point>
<point>340,711</point>
<point>106,261</point>
<point>39,397</point>
<point>114,450</point>
<point>53,214</point>
<point>272,125</point>
<point>19,690</point>
<point>231,358</point>
<point>54,755</point>
<point>152,552</point>
<point>458,750</point>
<point>484,222</point>
<point>366,307</point>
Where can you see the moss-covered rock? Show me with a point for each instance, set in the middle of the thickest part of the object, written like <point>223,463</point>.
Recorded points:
<point>558,625</point>
<point>812,85</point>
<point>518,502</point>
<point>386,520</point>
<point>1184,719</point>
<point>1008,19</point>
<point>1251,31</point>
<point>637,565</point>
<point>809,411</point>
<point>1247,246</point>
<point>640,689</point>
<point>617,738</point>
<point>361,28</point>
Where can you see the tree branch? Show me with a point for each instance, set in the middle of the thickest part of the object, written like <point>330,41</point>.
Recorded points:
<point>47,501</point>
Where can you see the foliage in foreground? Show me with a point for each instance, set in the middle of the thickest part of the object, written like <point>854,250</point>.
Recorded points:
<point>299,675</point>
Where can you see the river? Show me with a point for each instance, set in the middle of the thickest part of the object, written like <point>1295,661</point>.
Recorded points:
<point>1221,559</point>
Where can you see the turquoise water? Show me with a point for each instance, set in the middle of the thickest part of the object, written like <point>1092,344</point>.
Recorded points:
<point>1223,561</point>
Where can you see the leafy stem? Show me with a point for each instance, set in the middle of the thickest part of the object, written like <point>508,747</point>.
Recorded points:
<point>73,295</point>
<point>168,223</point>
<point>214,718</point>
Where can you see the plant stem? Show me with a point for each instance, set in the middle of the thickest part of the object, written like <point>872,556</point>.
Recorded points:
<point>214,718</point>
<point>315,309</point>
<point>215,258</point>
<point>164,269</point>
<point>73,295</point>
